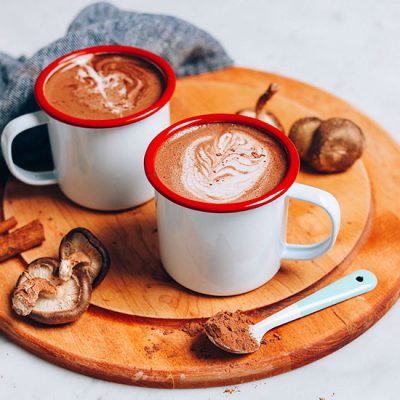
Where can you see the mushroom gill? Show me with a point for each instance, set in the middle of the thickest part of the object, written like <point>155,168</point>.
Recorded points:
<point>80,246</point>
<point>42,296</point>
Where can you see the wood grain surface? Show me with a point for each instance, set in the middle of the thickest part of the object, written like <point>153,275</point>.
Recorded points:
<point>156,351</point>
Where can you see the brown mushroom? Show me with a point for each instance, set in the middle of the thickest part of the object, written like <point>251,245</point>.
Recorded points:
<point>260,112</point>
<point>302,134</point>
<point>42,296</point>
<point>328,146</point>
<point>81,247</point>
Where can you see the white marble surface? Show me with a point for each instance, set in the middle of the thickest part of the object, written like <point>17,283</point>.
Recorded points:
<point>348,48</point>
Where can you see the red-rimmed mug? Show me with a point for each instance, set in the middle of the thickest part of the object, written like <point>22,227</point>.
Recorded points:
<point>231,248</point>
<point>98,163</point>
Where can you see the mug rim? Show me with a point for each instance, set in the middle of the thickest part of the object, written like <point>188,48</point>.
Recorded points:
<point>162,65</point>
<point>278,191</point>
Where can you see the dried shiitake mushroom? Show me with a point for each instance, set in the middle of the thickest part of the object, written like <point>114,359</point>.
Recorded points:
<point>81,247</point>
<point>328,146</point>
<point>42,296</point>
<point>302,134</point>
<point>260,112</point>
<point>55,291</point>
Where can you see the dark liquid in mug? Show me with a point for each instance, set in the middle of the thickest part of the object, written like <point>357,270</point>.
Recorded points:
<point>104,86</point>
<point>221,163</point>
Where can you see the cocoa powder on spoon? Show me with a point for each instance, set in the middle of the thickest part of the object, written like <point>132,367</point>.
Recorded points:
<point>231,330</point>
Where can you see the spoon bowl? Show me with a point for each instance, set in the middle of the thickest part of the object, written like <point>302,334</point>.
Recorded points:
<point>222,346</point>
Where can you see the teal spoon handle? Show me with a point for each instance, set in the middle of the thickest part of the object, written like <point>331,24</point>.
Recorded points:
<point>354,284</point>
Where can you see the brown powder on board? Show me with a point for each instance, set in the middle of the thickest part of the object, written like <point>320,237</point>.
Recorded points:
<point>271,338</point>
<point>231,330</point>
<point>150,350</point>
<point>192,328</point>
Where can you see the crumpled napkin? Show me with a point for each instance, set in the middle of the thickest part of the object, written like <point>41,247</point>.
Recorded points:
<point>187,48</point>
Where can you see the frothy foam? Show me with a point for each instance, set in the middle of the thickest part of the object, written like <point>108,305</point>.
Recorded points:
<point>104,86</point>
<point>221,163</point>
<point>223,168</point>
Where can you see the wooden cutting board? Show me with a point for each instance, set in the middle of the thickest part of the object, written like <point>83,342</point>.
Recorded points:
<point>137,283</point>
<point>134,332</point>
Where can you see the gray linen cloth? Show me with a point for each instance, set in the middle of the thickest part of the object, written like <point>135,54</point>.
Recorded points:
<point>187,48</point>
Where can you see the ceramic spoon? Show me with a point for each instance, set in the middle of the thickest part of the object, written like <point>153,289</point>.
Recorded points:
<point>352,285</point>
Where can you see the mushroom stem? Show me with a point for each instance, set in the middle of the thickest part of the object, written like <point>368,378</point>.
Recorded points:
<point>263,99</point>
<point>67,264</point>
<point>26,296</point>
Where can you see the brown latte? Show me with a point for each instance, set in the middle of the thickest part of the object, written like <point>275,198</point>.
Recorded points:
<point>221,163</point>
<point>104,86</point>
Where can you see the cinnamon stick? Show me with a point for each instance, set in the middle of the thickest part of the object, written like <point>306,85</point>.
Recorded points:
<point>21,239</point>
<point>7,224</point>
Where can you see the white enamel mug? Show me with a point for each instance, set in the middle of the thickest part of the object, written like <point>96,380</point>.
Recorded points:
<point>232,248</point>
<point>98,163</point>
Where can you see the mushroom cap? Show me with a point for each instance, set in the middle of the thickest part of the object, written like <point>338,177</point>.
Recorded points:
<point>336,145</point>
<point>71,298</point>
<point>83,241</point>
<point>302,134</point>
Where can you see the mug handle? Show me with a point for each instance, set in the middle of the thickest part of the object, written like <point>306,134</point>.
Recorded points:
<point>13,129</point>
<point>322,199</point>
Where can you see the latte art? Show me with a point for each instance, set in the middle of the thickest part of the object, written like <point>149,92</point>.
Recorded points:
<point>104,86</point>
<point>119,89</point>
<point>221,163</point>
<point>223,168</point>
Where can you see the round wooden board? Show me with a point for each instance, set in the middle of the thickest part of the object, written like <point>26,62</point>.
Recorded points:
<point>156,351</point>
<point>137,283</point>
